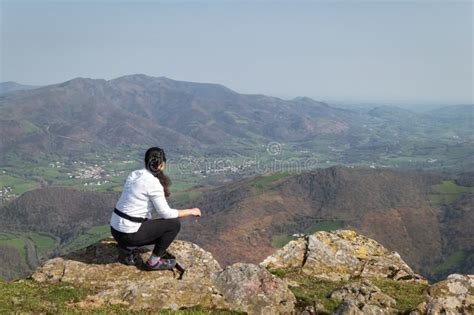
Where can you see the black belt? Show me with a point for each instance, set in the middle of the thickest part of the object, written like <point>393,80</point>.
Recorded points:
<point>126,216</point>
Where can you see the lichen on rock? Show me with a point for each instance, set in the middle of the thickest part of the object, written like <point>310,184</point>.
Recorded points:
<point>339,256</point>
<point>365,297</point>
<point>455,295</point>
<point>339,264</point>
<point>255,290</point>
<point>242,287</point>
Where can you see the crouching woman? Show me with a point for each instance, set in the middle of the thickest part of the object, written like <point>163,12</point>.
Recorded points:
<point>131,222</point>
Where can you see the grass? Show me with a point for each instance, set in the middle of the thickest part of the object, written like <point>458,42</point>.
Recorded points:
<point>92,235</point>
<point>311,290</point>
<point>14,241</point>
<point>186,196</point>
<point>447,192</point>
<point>279,272</point>
<point>28,296</point>
<point>450,187</point>
<point>326,225</point>
<point>280,240</point>
<point>198,309</point>
<point>29,126</point>
<point>263,181</point>
<point>19,185</point>
<point>32,297</point>
<point>43,243</point>
<point>408,295</point>
<point>449,264</point>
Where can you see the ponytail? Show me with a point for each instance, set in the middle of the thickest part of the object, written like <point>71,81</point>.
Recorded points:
<point>153,158</point>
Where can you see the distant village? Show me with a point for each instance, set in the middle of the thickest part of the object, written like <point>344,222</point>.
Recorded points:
<point>99,174</point>
<point>6,194</point>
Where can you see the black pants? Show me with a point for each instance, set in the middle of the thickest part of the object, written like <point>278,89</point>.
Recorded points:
<point>160,232</point>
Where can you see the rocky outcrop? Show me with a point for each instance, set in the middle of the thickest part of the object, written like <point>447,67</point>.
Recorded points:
<point>455,295</point>
<point>363,297</point>
<point>341,255</point>
<point>346,260</point>
<point>203,282</point>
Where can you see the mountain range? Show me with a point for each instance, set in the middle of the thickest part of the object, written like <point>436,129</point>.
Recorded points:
<point>425,215</point>
<point>80,115</point>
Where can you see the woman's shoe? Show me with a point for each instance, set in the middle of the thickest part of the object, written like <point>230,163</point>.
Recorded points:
<point>162,264</point>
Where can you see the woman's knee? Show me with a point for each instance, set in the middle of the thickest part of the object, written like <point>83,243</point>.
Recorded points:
<point>176,224</point>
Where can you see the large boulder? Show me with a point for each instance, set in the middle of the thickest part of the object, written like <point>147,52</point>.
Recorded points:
<point>255,290</point>
<point>203,283</point>
<point>455,295</point>
<point>341,255</point>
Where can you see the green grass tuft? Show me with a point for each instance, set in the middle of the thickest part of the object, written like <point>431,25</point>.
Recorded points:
<point>279,272</point>
<point>312,291</point>
<point>408,295</point>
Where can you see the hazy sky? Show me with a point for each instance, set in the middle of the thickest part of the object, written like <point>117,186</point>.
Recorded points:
<point>397,51</point>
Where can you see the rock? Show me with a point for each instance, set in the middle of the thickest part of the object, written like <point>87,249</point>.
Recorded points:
<point>364,297</point>
<point>348,308</point>
<point>455,295</point>
<point>341,255</point>
<point>254,290</point>
<point>290,256</point>
<point>239,287</point>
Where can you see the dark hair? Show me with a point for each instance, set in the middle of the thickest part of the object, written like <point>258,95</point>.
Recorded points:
<point>153,158</point>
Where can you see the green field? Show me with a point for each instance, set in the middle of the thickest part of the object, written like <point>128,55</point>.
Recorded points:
<point>90,237</point>
<point>44,244</point>
<point>447,192</point>
<point>453,262</point>
<point>15,242</point>
<point>185,196</point>
<point>263,181</point>
<point>281,240</point>
<point>18,184</point>
<point>327,225</point>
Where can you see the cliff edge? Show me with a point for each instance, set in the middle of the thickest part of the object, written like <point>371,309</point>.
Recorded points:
<point>337,272</point>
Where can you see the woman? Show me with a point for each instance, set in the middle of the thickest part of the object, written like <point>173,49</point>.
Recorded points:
<point>131,224</point>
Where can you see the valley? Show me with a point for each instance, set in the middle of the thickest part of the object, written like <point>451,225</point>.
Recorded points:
<point>263,169</point>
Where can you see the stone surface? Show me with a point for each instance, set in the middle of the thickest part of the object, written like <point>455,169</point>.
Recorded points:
<point>363,297</point>
<point>203,283</point>
<point>96,268</point>
<point>455,295</point>
<point>255,290</point>
<point>335,256</point>
<point>341,255</point>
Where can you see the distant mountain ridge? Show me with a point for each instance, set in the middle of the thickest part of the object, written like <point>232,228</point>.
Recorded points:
<point>10,86</point>
<point>82,113</point>
<point>90,115</point>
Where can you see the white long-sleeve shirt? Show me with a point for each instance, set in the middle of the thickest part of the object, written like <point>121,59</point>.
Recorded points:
<point>142,193</point>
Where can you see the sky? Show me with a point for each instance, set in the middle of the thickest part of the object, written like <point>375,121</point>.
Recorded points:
<point>401,52</point>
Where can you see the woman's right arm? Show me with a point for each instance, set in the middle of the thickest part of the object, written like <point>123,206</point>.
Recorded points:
<point>188,212</point>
